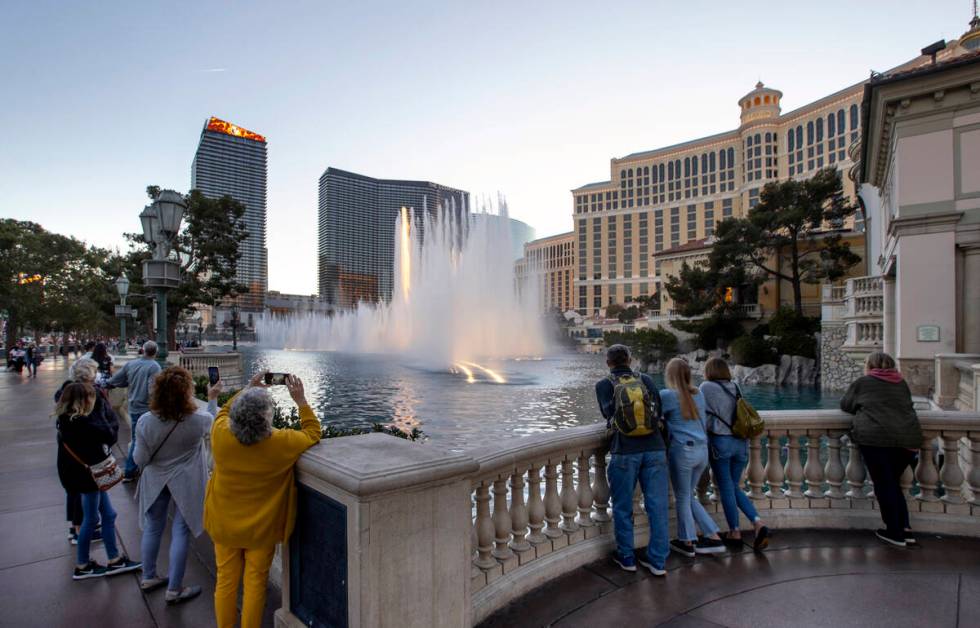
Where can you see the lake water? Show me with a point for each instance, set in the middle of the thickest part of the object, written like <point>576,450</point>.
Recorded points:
<point>459,410</point>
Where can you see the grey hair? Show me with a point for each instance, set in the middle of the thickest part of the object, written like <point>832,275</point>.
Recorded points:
<point>251,416</point>
<point>149,348</point>
<point>879,360</point>
<point>618,355</point>
<point>83,370</point>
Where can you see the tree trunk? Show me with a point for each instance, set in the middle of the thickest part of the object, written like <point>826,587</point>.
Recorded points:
<point>797,283</point>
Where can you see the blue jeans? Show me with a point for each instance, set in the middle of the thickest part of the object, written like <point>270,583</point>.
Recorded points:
<point>95,505</point>
<point>650,468</point>
<point>729,455</point>
<point>687,463</point>
<point>154,521</point>
<point>130,469</point>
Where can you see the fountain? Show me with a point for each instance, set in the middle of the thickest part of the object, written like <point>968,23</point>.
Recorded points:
<point>454,303</point>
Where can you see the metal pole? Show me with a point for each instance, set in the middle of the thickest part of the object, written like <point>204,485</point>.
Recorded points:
<point>122,335</point>
<point>234,333</point>
<point>162,326</point>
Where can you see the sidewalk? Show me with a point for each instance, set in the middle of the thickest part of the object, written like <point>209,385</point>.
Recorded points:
<point>36,559</point>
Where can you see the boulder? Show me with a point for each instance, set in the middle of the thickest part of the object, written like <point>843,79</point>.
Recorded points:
<point>765,374</point>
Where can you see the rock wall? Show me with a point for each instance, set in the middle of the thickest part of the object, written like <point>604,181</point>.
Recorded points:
<point>792,370</point>
<point>837,368</point>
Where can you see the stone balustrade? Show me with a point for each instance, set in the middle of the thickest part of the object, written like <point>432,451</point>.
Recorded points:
<point>405,534</point>
<point>229,366</point>
<point>859,286</point>
<point>957,384</point>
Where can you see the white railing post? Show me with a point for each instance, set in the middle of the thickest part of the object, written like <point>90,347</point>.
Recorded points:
<point>813,471</point>
<point>484,528</point>
<point>600,489</point>
<point>584,518</point>
<point>794,467</point>
<point>774,468</point>
<point>925,472</point>
<point>974,477</point>
<point>952,475</point>
<point>756,472</point>
<point>552,503</point>
<point>518,513</point>
<point>535,505</point>
<point>501,520</point>
<point>569,500</point>
<point>834,469</point>
<point>855,471</point>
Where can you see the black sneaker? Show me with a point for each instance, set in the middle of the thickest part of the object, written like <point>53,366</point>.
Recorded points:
<point>626,563</point>
<point>910,538</point>
<point>96,537</point>
<point>685,549</point>
<point>731,542</point>
<point>709,546</point>
<point>90,570</point>
<point>121,565</point>
<point>657,571</point>
<point>897,541</point>
<point>761,539</point>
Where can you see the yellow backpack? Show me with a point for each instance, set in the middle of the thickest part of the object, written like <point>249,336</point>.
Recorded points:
<point>635,412</point>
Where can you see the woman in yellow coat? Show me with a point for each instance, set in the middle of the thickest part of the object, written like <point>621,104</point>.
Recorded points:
<point>250,504</point>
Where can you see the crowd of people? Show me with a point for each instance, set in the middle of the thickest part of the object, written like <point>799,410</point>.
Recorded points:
<point>682,430</point>
<point>245,503</point>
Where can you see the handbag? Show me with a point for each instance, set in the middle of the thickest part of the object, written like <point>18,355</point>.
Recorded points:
<point>106,474</point>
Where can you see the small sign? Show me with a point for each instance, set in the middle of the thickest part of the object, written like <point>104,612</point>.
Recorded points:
<point>928,333</point>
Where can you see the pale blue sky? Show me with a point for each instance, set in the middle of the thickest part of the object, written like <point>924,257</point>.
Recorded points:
<point>100,99</point>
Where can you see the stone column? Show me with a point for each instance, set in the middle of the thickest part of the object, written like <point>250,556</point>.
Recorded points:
<point>383,536</point>
<point>970,286</point>
<point>889,316</point>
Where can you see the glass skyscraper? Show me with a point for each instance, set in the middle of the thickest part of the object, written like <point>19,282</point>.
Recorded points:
<point>357,231</point>
<point>231,161</point>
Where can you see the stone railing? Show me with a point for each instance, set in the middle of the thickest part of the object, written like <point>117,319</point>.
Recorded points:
<point>958,381</point>
<point>229,366</point>
<point>859,286</point>
<point>395,533</point>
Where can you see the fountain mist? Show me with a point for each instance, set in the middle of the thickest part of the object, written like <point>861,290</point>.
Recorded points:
<point>454,302</point>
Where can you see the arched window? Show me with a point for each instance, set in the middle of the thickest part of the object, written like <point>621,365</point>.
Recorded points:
<point>721,159</point>
<point>799,137</point>
<point>840,121</point>
<point>687,166</point>
<point>831,125</point>
<point>694,166</point>
<point>809,132</point>
<point>670,170</point>
<point>748,142</point>
<point>622,174</point>
<point>704,163</point>
<point>789,140</point>
<point>646,171</point>
<point>854,117</point>
<point>758,139</point>
<point>819,129</point>
<point>661,172</point>
<point>731,157</point>
<point>654,175</point>
<point>766,99</point>
<point>711,161</point>
<point>757,100</point>
<point>768,137</point>
<point>630,173</point>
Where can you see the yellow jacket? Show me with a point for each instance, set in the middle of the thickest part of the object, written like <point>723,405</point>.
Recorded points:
<point>251,496</point>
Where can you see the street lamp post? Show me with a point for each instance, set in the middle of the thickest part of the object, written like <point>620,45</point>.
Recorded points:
<point>122,312</point>
<point>235,313</point>
<point>161,223</point>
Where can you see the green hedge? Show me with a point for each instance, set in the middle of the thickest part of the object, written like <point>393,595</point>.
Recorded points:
<point>751,351</point>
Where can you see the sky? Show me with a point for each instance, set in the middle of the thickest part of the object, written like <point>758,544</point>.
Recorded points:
<point>530,99</point>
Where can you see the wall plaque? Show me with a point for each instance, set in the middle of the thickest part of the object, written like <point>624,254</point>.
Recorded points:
<point>928,333</point>
<point>318,560</point>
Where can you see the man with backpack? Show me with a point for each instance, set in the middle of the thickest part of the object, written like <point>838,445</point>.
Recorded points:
<point>630,403</point>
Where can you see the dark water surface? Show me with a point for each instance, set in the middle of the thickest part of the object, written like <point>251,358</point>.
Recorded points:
<point>539,395</point>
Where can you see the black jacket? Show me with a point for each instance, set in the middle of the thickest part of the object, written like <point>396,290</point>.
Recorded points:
<point>90,437</point>
<point>884,415</point>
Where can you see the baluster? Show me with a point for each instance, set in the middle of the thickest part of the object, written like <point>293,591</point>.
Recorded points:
<point>908,476</point>
<point>756,474</point>
<point>774,469</point>
<point>856,473</point>
<point>834,469</point>
<point>794,468</point>
<point>974,477</point>
<point>518,513</point>
<point>552,503</point>
<point>535,505</point>
<point>600,489</point>
<point>813,471</point>
<point>569,501</point>
<point>952,474</point>
<point>925,472</point>
<point>501,520</point>
<point>584,518</point>
<point>484,528</point>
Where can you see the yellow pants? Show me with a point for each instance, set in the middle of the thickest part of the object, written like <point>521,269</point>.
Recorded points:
<point>232,562</point>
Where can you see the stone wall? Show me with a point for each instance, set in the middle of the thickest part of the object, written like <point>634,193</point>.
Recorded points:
<point>837,368</point>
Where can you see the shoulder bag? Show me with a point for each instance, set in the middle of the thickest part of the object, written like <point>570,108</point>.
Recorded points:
<point>106,473</point>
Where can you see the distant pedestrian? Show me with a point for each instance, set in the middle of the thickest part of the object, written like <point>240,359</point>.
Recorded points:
<point>684,412</point>
<point>89,348</point>
<point>32,357</point>
<point>728,454</point>
<point>887,431</point>
<point>170,452</point>
<point>251,496</point>
<point>100,353</point>
<point>636,456</point>
<point>136,375</point>
<point>87,429</point>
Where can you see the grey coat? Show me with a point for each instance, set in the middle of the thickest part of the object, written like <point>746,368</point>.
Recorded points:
<point>179,465</point>
<point>884,415</point>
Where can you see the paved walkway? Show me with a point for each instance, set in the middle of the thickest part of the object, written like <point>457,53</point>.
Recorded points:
<point>821,578</point>
<point>36,559</point>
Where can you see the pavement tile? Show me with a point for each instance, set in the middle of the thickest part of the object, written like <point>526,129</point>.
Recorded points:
<point>550,601</point>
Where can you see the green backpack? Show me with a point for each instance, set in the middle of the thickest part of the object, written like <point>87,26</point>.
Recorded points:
<point>747,423</point>
<point>635,412</point>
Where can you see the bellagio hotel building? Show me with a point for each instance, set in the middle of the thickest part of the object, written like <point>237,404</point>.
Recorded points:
<point>660,199</point>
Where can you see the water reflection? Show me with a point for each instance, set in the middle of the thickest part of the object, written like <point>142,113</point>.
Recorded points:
<point>539,395</point>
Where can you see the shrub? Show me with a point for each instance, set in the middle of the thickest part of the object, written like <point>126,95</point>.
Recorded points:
<point>752,352</point>
<point>646,345</point>
<point>797,344</point>
<point>761,330</point>
<point>786,322</point>
<point>713,330</point>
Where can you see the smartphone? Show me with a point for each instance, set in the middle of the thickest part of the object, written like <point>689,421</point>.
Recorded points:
<point>275,379</point>
<point>213,375</point>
